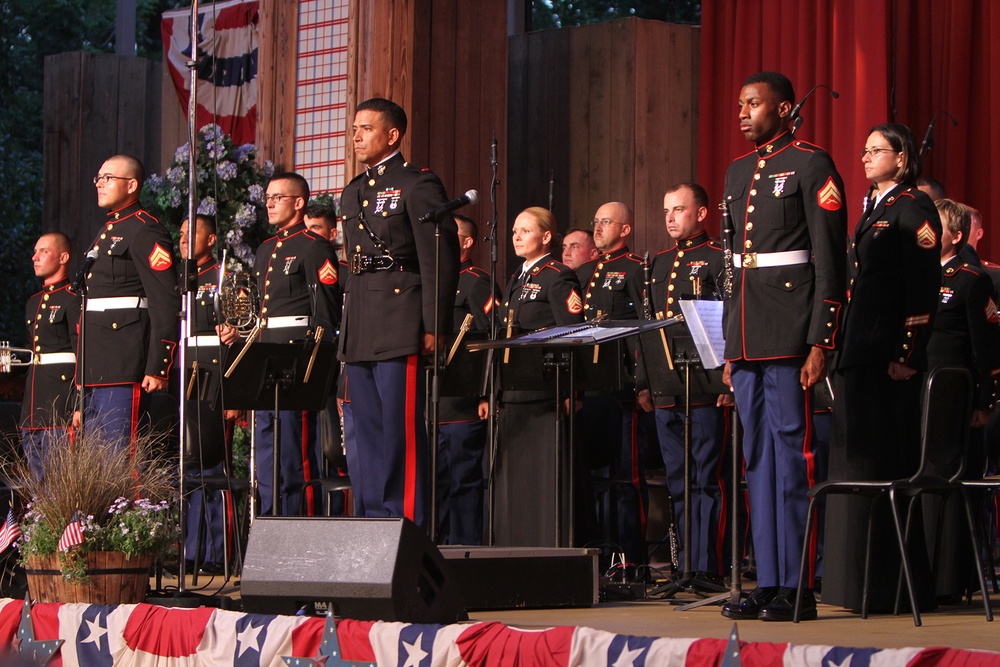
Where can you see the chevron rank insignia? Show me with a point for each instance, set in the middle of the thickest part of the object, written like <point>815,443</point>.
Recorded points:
<point>327,273</point>
<point>160,259</point>
<point>574,304</point>
<point>926,236</point>
<point>829,196</point>
<point>991,312</point>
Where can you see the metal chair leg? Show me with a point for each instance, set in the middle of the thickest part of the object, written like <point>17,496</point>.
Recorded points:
<point>975,553</point>
<point>797,616</point>
<point>904,558</point>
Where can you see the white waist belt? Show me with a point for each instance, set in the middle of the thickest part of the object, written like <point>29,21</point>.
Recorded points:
<point>286,321</point>
<point>46,358</point>
<point>117,303</point>
<point>203,341</point>
<point>763,260</point>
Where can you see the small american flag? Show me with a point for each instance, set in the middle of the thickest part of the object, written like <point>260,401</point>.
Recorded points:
<point>10,531</point>
<point>73,535</point>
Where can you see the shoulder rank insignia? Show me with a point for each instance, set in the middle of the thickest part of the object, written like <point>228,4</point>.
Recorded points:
<point>574,304</point>
<point>829,196</point>
<point>327,273</point>
<point>159,258</point>
<point>926,236</point>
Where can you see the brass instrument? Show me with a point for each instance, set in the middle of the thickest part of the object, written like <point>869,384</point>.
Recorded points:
<point>238,302</point>
<point>238,305</point>
<point>14,356</point>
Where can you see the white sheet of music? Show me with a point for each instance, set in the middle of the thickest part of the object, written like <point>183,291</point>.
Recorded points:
<point>704,321</point>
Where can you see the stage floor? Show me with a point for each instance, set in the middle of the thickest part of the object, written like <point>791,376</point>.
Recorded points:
<point>957,626</point>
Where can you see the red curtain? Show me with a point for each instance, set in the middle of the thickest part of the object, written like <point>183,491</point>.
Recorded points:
<point>899,60</point>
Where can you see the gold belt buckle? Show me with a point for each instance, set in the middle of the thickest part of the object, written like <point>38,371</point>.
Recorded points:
<point>749,260</point>
<point>36,359</point>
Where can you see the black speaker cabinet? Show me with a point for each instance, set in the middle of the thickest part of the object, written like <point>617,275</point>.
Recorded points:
<point>368,569</point>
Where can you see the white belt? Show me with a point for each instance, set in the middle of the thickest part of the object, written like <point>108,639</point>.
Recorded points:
<point>117,303</point>
<point>763,260</point>
<point>286,321</point>
<point>203,341</point>
<point>46,358</point>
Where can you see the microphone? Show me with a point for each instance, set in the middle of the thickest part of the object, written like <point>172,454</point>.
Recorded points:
<point>470,197</point>
<point>928,142</point>
<point>796,119</point>
<point>493,152</point>
<point>81,275</point>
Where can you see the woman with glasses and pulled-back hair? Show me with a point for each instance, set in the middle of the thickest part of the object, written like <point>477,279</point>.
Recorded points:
<point>894,275</point>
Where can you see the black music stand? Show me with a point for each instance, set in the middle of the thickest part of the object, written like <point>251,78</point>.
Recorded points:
<point>683,359</point>
<point>564,359</point>
<point>272,376</point>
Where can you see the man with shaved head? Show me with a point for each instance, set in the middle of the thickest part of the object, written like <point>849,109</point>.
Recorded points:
<point>612,287</point>
<point>50,316</point>
<point>131,323</point>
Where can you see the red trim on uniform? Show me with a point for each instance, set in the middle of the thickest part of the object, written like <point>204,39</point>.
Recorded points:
<point>810,456</point>
<point>307,473</point>
<point>410,457</point>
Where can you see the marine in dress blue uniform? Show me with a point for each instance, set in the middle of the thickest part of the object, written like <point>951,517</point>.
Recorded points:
<point>51,317</point>
<point>692,269</point>
<point>612,288</point>
<point>461,432</point>
<point>895,276</point>
<point>131,325</point>
<point>786,202</point>
<point>389,322</point>
<point>207,452</point>
<point>298,278</point>
<point>965,335</point>
<point>541,293</point>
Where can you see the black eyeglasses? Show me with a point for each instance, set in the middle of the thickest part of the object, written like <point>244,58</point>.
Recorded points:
<point>875,152</point>
<point>104,178</point>
<point>277,199</point>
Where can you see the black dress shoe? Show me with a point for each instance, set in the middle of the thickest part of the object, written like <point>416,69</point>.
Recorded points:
<point>782,607</point>
<point>750,608</point>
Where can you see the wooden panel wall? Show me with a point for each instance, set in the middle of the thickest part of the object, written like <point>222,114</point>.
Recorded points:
<point>611,111</point>
<point>95,105</point>
<point>276,78</point>
<point>445,63</point>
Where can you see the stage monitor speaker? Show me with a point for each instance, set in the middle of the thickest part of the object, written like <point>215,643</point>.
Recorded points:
<point>367,569</point>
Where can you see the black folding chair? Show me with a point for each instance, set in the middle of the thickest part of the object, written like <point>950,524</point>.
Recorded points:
<point>946,412</point>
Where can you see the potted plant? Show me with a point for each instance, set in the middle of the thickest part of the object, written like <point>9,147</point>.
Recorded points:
<point>97,516</point>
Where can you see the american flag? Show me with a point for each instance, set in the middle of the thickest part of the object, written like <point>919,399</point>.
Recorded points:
<point>149,635</point>
<point>9,532</point>
<point>227,56</point>
<point>73,535</point>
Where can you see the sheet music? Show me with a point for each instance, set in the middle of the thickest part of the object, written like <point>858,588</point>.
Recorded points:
<point>704,321</point>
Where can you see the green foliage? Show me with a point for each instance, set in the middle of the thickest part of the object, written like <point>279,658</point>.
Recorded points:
<point>548,14</point>
<point>230,186</point>
<point>29,31</point>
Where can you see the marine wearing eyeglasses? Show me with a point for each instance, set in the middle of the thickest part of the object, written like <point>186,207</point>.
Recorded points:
<point>130,327</point>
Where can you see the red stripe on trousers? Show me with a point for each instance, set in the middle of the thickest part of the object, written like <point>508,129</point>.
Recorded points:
<point>410,473</point>
<point>307,473</point>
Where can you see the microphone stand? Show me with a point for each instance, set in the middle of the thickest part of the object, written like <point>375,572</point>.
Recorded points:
<point>794,118</point>
<point>491,376</point>
<point>928,142</point>
<point>435,388</point>
<point>187,300</point>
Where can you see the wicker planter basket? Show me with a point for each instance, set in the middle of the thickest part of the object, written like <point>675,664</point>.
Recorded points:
<point>113,579</point>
